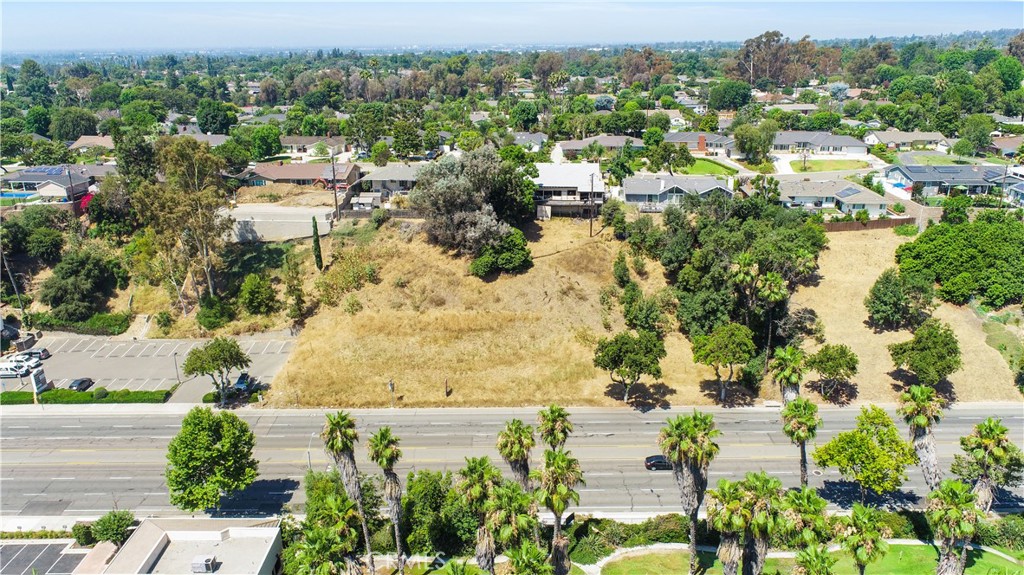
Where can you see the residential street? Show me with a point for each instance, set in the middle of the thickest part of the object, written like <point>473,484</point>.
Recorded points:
<point>84,460</point>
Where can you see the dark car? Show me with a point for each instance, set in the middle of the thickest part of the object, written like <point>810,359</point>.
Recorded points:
<point>81,384</point>
<point>39,353</point>
<point>657,463</point>
<point>245,383</point>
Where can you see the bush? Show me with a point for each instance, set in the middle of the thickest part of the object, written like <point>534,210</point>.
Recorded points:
<point>862,216</point>
<point>1007,532</point>
<point>353,305</point>
<point>254,397</point>
<point>45,244</point>
<point>164,320</point>
<point>671,528</point>
<point>620,270</point>
<point>82,532</point>
<point>351,270</point>
<point>257,296</point>
<point>109,323</point>
<point>40,534</point>
<point>899,208</point>
<point>214,312</point>
<point>509,255</point>
<point>100,393</point>
<point>906,230</point>
<point>67,396</point>
<point>113,526</point>
<point>97,324</point>
<point>211,397</point>
<point>379,217</point>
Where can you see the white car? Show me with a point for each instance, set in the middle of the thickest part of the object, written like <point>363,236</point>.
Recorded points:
<point>14,370</point>
<point>27,360</point>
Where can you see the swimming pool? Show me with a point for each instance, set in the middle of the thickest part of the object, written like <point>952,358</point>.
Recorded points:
<point>14,194</point>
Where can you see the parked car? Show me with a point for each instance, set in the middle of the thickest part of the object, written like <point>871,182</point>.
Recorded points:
<point>10,332</point>
<point>30,362</point>
<point>14,370</point>
<point>245,383</point>
<point>38,353</point>
<point>657,463</point>
<point>81,384</point>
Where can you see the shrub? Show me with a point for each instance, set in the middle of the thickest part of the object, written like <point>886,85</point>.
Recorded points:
<point>257,296</point>
<point>899,208</point>
<point>45,244</point>
<point>620,270</point>
<point>113,526</point>
<point>164,320</point>
<point>379,217</point>
<point>906,230</point>
<point>671,528</point>
<point>100,393</point>
<point>640,266</point>
<point>214,312</point>
<point>353,305</point>
<point>97,324</point>
<point>110,323</point>
<point>1007,532</point>
<point>351,270</point>
<point>862,216</point>
<point>509,255</point>
<point>254,397</point>
<point>82,532</point>
<point>211,397</point>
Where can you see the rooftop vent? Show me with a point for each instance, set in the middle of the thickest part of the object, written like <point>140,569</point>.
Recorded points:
<point>203,563</point>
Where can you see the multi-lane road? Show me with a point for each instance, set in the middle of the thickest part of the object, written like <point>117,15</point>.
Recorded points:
<point>84,460</point>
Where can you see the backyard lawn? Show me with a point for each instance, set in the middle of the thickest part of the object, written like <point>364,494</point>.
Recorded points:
<point>901,560</point>
<point>708,167</point>
<point>828,165</point>
<point>939,160</point>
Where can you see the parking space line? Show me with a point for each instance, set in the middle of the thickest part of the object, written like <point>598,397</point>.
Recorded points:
<point>89,348</point>
<point>143,352</point>
<point>283,343</point>
<point>102,347</point>
<point>63,342</point>
<point>11,559</point>
<point>251,345</point>
<point>111,354</point>
<point>160,349</point>
<point>128,383</point>
<point>130,350</point>
<point>143,384</point>
<point>111,385</point>
<point>87,343</point>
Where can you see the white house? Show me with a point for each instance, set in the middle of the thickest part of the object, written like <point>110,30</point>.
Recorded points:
<point>655,192</point>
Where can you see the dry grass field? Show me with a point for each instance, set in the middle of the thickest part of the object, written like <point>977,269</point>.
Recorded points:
<point>849,267</point>
<point>520,340</point>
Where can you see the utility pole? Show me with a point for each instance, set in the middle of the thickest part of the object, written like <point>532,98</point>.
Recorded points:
<point>590,212</point>
<point>391,388</point>
<point>334,186</point>
<point>14,285</point>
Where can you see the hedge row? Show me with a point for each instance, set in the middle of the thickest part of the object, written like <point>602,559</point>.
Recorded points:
<point>98,324</point>
<point>100,395</point>
<point>41,534</point>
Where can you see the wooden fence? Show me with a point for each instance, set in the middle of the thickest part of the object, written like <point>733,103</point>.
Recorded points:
<point>872,225</point>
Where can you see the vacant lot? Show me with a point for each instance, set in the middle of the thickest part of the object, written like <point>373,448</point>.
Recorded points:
<point>828,165</point>
<point>708,167</point>
<point>520,340</point>
<point>849,267</point>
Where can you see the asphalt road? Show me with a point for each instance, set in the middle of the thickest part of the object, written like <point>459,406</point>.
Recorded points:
<point>150,364</point>
<point>61,461</point>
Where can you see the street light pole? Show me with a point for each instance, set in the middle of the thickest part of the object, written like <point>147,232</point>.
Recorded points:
<point>176,375</point>
<point>334,186</point>
<point>309,458</point>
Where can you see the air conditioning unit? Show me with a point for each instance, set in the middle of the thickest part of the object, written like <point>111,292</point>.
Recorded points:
<point>203,563</point>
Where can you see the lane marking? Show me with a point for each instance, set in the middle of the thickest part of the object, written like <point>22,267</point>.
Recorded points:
<point>102,347</point>
<point>62,344</point>
<point>124,426</point>
<point>130,350</point>
<point>120,478</point>
<point>251,345</point>
<point>71,426</point>
<point>157,353</point>
<point>155,493</point>
<point>62,479</point>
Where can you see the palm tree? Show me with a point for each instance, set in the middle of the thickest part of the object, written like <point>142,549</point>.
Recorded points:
<point>477,482</point>
<point>860,536</point>
<point>514,445</point>
<point>688,442</point>
<point>800,423</point>
<point>745,274</point>
<point>330,538</point>
<point>803,515</point>
<point>762,497</point>
<point>953,513</point>
<point>511,513</point>
<point>772,291</point>
<point>990,459</point>
<point>729,516</point>
<point>558,479</point>
<point>922,409</point>
<point>340,436</point>
<point>554,426</point>
<point>788,365</point>
<point>814,560</point>
<point>528,559</point>
<point>384,451</point>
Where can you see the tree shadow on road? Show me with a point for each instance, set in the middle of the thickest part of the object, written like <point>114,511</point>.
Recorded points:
<point>845,493</point>
<point>643,397</point>
<point>264,498</point>
<point>903,379</point>
<point>735,395</point>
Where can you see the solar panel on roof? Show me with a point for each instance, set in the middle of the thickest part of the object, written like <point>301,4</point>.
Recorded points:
<point>917,169</point>
<point>947,170</point>
<point>847,192</point>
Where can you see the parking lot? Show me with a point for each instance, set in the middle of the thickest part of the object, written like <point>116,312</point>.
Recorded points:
<point>38,559</point>
<point>146,365</point>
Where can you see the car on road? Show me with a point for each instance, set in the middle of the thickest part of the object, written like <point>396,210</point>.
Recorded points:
<point>657,463</point>
<point>81,384</point>
<point>245,383</point>
<point>14,370</point>
<point>39,353</point>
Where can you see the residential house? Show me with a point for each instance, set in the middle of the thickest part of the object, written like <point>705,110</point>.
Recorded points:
<point>477,117</point>
<point>305,144</point>
<point>654,192</point>
<point>572,148</point>
<point>941,180</point>
<point>189,545</point>
<point>343,175</point>
<point>389,180</point>
<point>531,141</point>
<point>895,139</point>
<point>1005,146</point>
<point>1015,194</point>
<point>213,140</point>
<point>50,183</point>
<point>818,143</point>
<point>84,143</point>
<point>704,142</point>
<point>1009,120</point>
<point>802,109</point>
<point>568,190</point>
<point>685,100</point>
<point>847,197</point>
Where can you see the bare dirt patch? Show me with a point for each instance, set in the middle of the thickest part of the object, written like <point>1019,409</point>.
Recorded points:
<point>286,195</point>
<point>520,340</point>
<point>849,268</point>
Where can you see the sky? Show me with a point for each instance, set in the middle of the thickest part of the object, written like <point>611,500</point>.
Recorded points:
<point>89,26</point>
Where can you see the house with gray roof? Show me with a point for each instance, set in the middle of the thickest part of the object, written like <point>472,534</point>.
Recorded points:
<point>815,195</point>
<point>572,148</point>
<point>1015,194</point>
<point>654,192</point>
<point>802,109</point>
<point>392,179</point>
<point>568,190</point>
<point>50,183</point>
<point>941,180</point>
<point>531,141</point>
<point>896,139</point>
<point>706,142</point>
<point>304,144</point>
<point>818,143</point>
<point>320,175</point>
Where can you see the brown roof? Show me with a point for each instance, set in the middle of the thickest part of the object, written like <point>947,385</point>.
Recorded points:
<point>93,141</point>
<point>275,171</point>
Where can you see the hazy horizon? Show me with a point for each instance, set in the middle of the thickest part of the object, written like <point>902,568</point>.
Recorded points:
<point>111,26</point>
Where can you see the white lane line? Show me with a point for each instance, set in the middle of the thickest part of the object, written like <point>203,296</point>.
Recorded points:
<point>111,354</point>
<point>85,341</point>
<point>590,490</point>
<point>160,349</point>
<point>275,436</point>
<point>93,494</point>
<point>176,346</point>
<point>120,478</point>
<point>101,348</point>
<point>160,436</point>
<point>62,344</point>
<point>110,385</point>
<point>17,427</point>
<point>62,479</point>
<point>283,343</point>
<point>143,384</point>
<point>71,426</point>
<point>124,426</point>
<point>600,474</point>
<point>155,493</point>
<point>130,350</point>
<point>172,425</point>
<point>251,345</point>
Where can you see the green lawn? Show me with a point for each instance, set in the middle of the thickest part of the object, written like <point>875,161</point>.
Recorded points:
<point>901,560</point>
<point>709,167</point>
<point>828,165</point>
<point>937,160</point>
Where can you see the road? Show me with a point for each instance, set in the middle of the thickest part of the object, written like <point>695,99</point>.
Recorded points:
<point>59,460</point>
<point>149,364</point>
